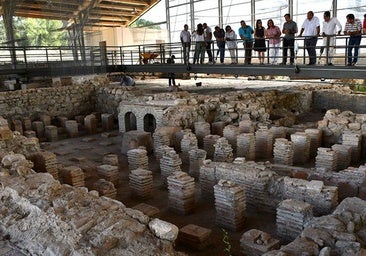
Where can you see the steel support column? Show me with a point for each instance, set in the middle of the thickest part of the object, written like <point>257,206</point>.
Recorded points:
<point>252,16</point>
<point>221,18</point>
<point>291,8</point>
<point>334,10</point>
<point>8,12</point>
<point>167,15</point>
<point>191,9</point>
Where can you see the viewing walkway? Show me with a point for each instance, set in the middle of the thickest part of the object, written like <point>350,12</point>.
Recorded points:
<point>28,62</point>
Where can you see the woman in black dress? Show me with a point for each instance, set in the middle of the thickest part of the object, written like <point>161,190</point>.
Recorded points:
<point>260,41</point>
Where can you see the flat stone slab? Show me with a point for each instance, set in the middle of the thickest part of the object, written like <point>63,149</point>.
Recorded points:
<point>195,236</point>
<point>88,139</point>
<point>61,153</point>
<point>148,210</point>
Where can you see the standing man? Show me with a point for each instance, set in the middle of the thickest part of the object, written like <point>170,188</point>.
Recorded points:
<point>353,29</point>
<point>289,29</point>
<point>246,34</point>
<point>331,28</point>
<point>185,38</point>
<point>219,34</point>
<point>311,30</point>
<point>208,40</point>
<point>171,74</point>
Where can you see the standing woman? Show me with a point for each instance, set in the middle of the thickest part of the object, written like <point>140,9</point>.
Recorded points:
<point>260,41</point>
<point>274,36</point>
<point>230,38</point>
<point>199,51</point>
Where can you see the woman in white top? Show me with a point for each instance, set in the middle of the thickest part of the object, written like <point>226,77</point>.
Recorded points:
<point>230,38</point>
<point>199,51</point>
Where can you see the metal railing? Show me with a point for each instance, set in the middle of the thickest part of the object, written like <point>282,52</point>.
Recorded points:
<point>38,57</point>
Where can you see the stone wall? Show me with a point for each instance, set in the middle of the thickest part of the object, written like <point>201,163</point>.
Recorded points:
<point>184,109</point>
<point>66,101</point>
<point>109,98</point>
<point>341,98</point>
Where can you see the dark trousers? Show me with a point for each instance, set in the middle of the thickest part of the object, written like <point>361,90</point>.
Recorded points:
<point>248,46</point>
<point>353,43</point>
<point>288,44</point>
<point>186,50</point>
<point>221,51</point>
<point>171,79</point>
<point>209,52</point>
<point>310,44</point>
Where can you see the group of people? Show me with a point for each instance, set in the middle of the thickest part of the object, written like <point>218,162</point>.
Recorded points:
<point>255,39</point>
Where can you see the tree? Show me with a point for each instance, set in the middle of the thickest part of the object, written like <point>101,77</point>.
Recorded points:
<point>145,23</point>
<point>37,32</point>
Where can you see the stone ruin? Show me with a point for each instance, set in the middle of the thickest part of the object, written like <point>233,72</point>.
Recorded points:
<point>41,216</point>
<point>247,151</point>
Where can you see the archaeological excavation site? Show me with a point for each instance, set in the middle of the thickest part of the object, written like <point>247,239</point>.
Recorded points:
<point>230,167</point>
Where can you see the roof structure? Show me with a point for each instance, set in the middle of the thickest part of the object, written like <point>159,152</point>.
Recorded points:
<point>90,13</point>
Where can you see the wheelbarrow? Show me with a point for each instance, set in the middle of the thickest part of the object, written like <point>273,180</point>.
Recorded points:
<point>147,57</point>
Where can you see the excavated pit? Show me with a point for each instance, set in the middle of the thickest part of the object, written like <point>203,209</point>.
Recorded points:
<point>83,123</point>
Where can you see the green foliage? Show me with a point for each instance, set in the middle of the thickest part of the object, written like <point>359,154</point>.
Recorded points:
<point>226,241</point>
<point>36,32</point>
<point>144,23</point>
<point>2,32</point>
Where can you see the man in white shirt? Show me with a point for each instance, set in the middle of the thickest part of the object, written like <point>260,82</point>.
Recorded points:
<point>331,28</point>
<point>208,41</point>
<point>311,30</point>
<point>185,38</point>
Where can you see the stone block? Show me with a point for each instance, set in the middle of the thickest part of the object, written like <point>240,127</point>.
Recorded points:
<point>71,127</point>
<point>51,133</point>
<point>27,124</point>
<point>46,119</point>
<point>16,125</point>
<point>90,122</point>
<point>164,230</point>
<point>107,122</point>
<point>61,121</point>
<point>148,210</point>
<point>218,128</point>
<point>135,139</point>
<point>38,127</point>
<point>111,159</point>
<point>256,242</point>
<point>28,134</point>
<point>194,236</point>
<point>80,119</point>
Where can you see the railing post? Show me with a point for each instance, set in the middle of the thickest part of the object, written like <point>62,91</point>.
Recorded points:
<point>162,54</point>
<point>60,54</point>
<point>25,57</point>
<point>121,54</point>
<point>268,50</point>
<point>346,51</point>
<point>47,57</point>
<point>140,61</point>
<point>327,49</point>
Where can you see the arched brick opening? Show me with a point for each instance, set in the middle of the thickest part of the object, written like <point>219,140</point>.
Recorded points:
<point>149,123</point>
<point>130,121</point>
